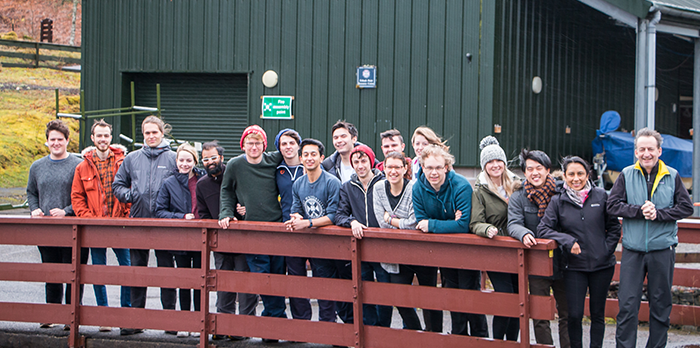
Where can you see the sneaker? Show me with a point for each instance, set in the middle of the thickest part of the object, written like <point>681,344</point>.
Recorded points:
<point>195,334</point>
<point>170,332</point>
<point>183,334</point>
<point>237,338</point>
<point>105,329</point>
<point>218,337</point>
<point>46,325</point>
<point>127,332</point>
<point>66,327</point>
<point>270,340</point>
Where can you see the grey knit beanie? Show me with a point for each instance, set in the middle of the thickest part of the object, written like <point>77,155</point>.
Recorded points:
<point>490,150</point>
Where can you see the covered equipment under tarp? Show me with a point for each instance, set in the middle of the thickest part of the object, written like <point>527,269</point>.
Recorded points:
<point>618,148</point>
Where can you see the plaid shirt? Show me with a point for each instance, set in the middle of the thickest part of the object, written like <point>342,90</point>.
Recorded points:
<point>105,168</point>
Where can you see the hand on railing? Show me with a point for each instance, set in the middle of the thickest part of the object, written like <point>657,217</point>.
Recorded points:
<point>37,212</point>
<point>224,223</point>
<point>423,226</point>
<point>529,240</point>
<point>357,229</point>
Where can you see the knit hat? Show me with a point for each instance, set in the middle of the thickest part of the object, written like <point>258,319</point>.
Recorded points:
<point>490,150</point>
<point>367,150</point>
<point>279,135</point>
<point>257,130</point>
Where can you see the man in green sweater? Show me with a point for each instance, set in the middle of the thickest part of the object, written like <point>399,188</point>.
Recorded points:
<point>249,181</point>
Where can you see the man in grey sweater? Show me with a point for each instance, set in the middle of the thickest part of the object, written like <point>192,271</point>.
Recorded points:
<point>48,194</point>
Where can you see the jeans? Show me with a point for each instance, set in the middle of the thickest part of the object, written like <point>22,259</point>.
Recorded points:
<point>325,268</point>
<point>597,284</point>
<point>99,257</point>
<point>300,307</point>
<point>427,276</point>
<point>274,305</point>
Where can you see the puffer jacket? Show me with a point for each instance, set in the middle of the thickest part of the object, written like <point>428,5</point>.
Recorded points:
<point>357,204</point>
<point>596,231</point>
<point>140,177</point>
<point>87,193</point>
<point>174,197</point>
<point>488,208</point>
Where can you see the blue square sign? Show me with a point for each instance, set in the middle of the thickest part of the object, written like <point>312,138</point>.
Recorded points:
<point>366,76</point>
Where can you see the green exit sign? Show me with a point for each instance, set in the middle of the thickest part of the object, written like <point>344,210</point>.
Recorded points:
<point>277,107</point>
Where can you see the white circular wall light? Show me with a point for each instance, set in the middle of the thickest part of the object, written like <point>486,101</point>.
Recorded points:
<point>269,79</point>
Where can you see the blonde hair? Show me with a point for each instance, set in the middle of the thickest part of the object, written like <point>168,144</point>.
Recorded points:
<point>255,136</point>
<point>437,151</point>
<point>506,180</point>
<point>190,149</point>
<point>430,136</point>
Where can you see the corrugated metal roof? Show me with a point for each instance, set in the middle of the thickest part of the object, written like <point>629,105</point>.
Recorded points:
<point>683,5</point>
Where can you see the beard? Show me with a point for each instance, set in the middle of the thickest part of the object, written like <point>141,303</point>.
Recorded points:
<point>215,170</point>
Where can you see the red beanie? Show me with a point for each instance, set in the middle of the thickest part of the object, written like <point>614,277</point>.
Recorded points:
<point>257,130</point>
<point>367,150</point>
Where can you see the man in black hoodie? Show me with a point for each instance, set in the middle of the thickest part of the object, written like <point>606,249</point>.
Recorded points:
<point>344,140</point>
<point>356,210</point>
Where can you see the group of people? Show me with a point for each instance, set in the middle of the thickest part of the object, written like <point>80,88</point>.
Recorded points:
<point>299,186</point>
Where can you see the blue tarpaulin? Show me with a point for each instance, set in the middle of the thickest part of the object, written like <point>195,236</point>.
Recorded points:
<point>619,151</point>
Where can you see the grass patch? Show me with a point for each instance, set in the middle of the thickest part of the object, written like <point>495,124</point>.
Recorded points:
<point>24,115</point>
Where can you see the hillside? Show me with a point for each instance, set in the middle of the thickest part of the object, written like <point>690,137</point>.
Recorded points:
<point>28,102</point>
<point>24,17</point>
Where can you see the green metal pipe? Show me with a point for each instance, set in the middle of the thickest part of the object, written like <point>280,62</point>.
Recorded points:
<point>105,110</point>
<point>56,102</point>
<point>83,122</point>
<point>119,114</point>
<point>158,98</point>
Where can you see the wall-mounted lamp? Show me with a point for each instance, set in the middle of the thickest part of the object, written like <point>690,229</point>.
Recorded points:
<point>536,85</point>
<point>497,128</point>
<point>269,79</point>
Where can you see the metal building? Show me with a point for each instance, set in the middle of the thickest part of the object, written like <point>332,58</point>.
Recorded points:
<point>539,71</point>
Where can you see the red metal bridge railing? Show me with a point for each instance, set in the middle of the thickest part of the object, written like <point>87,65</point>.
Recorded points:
<point>466,251</point>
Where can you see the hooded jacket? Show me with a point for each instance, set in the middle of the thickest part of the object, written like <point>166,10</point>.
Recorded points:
<point>357,204</point>
<point>596,231</point>
<point>140,177</point>
<point>87,194</point>
<point>439,207</point>
<point>174,197</point>
<point>489,208</point>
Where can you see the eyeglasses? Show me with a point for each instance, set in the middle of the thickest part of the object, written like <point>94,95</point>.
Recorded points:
<point>250,143</point>
<point>393,168</point>
<point>433,169</point>
<point>210,159</point>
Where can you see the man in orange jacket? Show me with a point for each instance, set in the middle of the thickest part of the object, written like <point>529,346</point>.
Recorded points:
<point>92,197</point>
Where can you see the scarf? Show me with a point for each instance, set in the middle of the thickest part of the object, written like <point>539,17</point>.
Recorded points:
<point>578,197</point>
<point>542,195</point>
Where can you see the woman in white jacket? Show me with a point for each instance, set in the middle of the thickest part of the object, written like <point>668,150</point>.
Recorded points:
<point>393,208</point>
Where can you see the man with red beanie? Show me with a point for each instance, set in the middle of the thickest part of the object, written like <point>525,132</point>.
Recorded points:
<point>249,180</point>
<point>356,210</point>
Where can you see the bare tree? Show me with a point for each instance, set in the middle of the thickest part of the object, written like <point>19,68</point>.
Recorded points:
<point>74,14</point>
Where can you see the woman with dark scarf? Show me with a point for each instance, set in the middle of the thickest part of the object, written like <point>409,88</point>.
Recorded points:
<point>576,218</point>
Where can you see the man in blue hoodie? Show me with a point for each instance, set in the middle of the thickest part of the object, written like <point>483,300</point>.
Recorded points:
<point>442,203</point>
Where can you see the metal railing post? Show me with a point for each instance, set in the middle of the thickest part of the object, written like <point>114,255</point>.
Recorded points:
<point>524,299</point>
<point>356,264</point>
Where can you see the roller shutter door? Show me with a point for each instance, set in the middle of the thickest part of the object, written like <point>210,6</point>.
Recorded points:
<point>199,107</point>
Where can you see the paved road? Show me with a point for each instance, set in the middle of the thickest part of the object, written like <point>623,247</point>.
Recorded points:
<point>34,293</point>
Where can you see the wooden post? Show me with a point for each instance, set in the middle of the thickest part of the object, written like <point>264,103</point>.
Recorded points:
<point>524,297</point>
<point>356,264</point>
<point>74,339</point>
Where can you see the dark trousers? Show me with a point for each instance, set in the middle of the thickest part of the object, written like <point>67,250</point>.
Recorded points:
<point>427,276</point>
<point>325,268</point>
<point>596,284</point>
<point>543,333</point>
<point>300,307</point>
<point>380,315</point>
<point>190,259</point>
<point>54,291</point>
<point>139,258</point>
<point>226,301</point>
<point>657,266</point>
<point>471,280</point>
<point>505,327</point>
<point>274,305</point>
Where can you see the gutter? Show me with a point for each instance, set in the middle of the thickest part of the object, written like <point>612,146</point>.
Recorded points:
<point>673,12</point>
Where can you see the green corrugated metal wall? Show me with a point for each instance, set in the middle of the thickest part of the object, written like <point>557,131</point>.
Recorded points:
<point>586,63</point>
<point>419,48</point>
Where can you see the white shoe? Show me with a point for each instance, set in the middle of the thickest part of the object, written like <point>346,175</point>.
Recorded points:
<point>183,334</point>
<point>195,334</point>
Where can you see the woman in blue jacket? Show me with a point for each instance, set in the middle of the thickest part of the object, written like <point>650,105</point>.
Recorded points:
<point>177,200</point>
<point>576,218</point>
